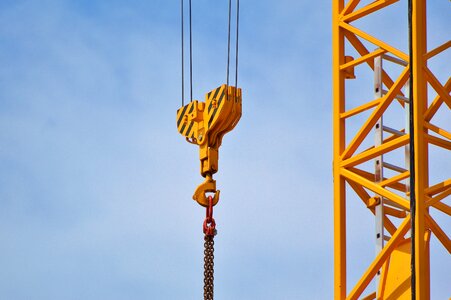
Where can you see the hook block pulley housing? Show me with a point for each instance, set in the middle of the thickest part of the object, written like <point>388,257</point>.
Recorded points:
<point>205,124</point>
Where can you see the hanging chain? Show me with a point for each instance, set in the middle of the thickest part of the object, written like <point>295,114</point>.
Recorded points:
<point>208,267</point>
<point>209,231</point>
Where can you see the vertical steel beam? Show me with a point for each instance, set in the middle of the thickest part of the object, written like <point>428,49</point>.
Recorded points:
<point>420,159</point>
<point>339,145</point>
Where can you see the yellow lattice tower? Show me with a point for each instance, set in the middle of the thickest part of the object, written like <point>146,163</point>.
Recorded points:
<point>391,174</point>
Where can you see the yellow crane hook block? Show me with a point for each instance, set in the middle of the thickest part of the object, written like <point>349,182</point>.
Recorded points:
<point>205,124</point>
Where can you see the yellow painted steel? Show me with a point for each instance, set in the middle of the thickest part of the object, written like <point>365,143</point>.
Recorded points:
<point>397,275</point>
<point>380,259</point>
<point>419,66</point>
<point>205,124</point>
<point>338,59</point>
<point>392,191</point>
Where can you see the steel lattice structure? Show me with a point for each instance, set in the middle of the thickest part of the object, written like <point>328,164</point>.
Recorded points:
<point>391,175</point>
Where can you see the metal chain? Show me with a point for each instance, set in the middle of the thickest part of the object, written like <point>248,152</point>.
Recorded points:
<point>209,227</point>
<point>208,267</point>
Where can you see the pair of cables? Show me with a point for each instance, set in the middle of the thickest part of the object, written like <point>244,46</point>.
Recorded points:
<point>182,15</point>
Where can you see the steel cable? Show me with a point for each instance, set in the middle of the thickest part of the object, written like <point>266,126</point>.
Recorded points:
<point>183,58</point>
<point>190,54</point>
<point>228,44</point>
<point>236,48</point>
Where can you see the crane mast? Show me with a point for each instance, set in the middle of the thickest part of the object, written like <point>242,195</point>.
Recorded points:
<point>381,150</point>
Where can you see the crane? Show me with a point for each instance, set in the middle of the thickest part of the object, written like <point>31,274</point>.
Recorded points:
<point>204,124</point>
<point>385,163</point>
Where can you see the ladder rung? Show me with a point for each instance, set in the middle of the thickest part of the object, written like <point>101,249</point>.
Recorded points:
<point>393,167</point>
<point>393,131</point>
<point>387,237</point>
<point>395,60</point>
<point>399,97</point>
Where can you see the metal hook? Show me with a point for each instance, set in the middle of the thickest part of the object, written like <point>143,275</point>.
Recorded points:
<point>208,186</point>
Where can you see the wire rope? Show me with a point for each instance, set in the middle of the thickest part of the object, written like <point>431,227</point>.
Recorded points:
<point>237,35</point>
<point>182,14</point>
<point>190,54</point>
<point>228,43</point>
<point>183,57</point>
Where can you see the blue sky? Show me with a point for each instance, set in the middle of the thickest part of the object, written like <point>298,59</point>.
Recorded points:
<point>96,183</point>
